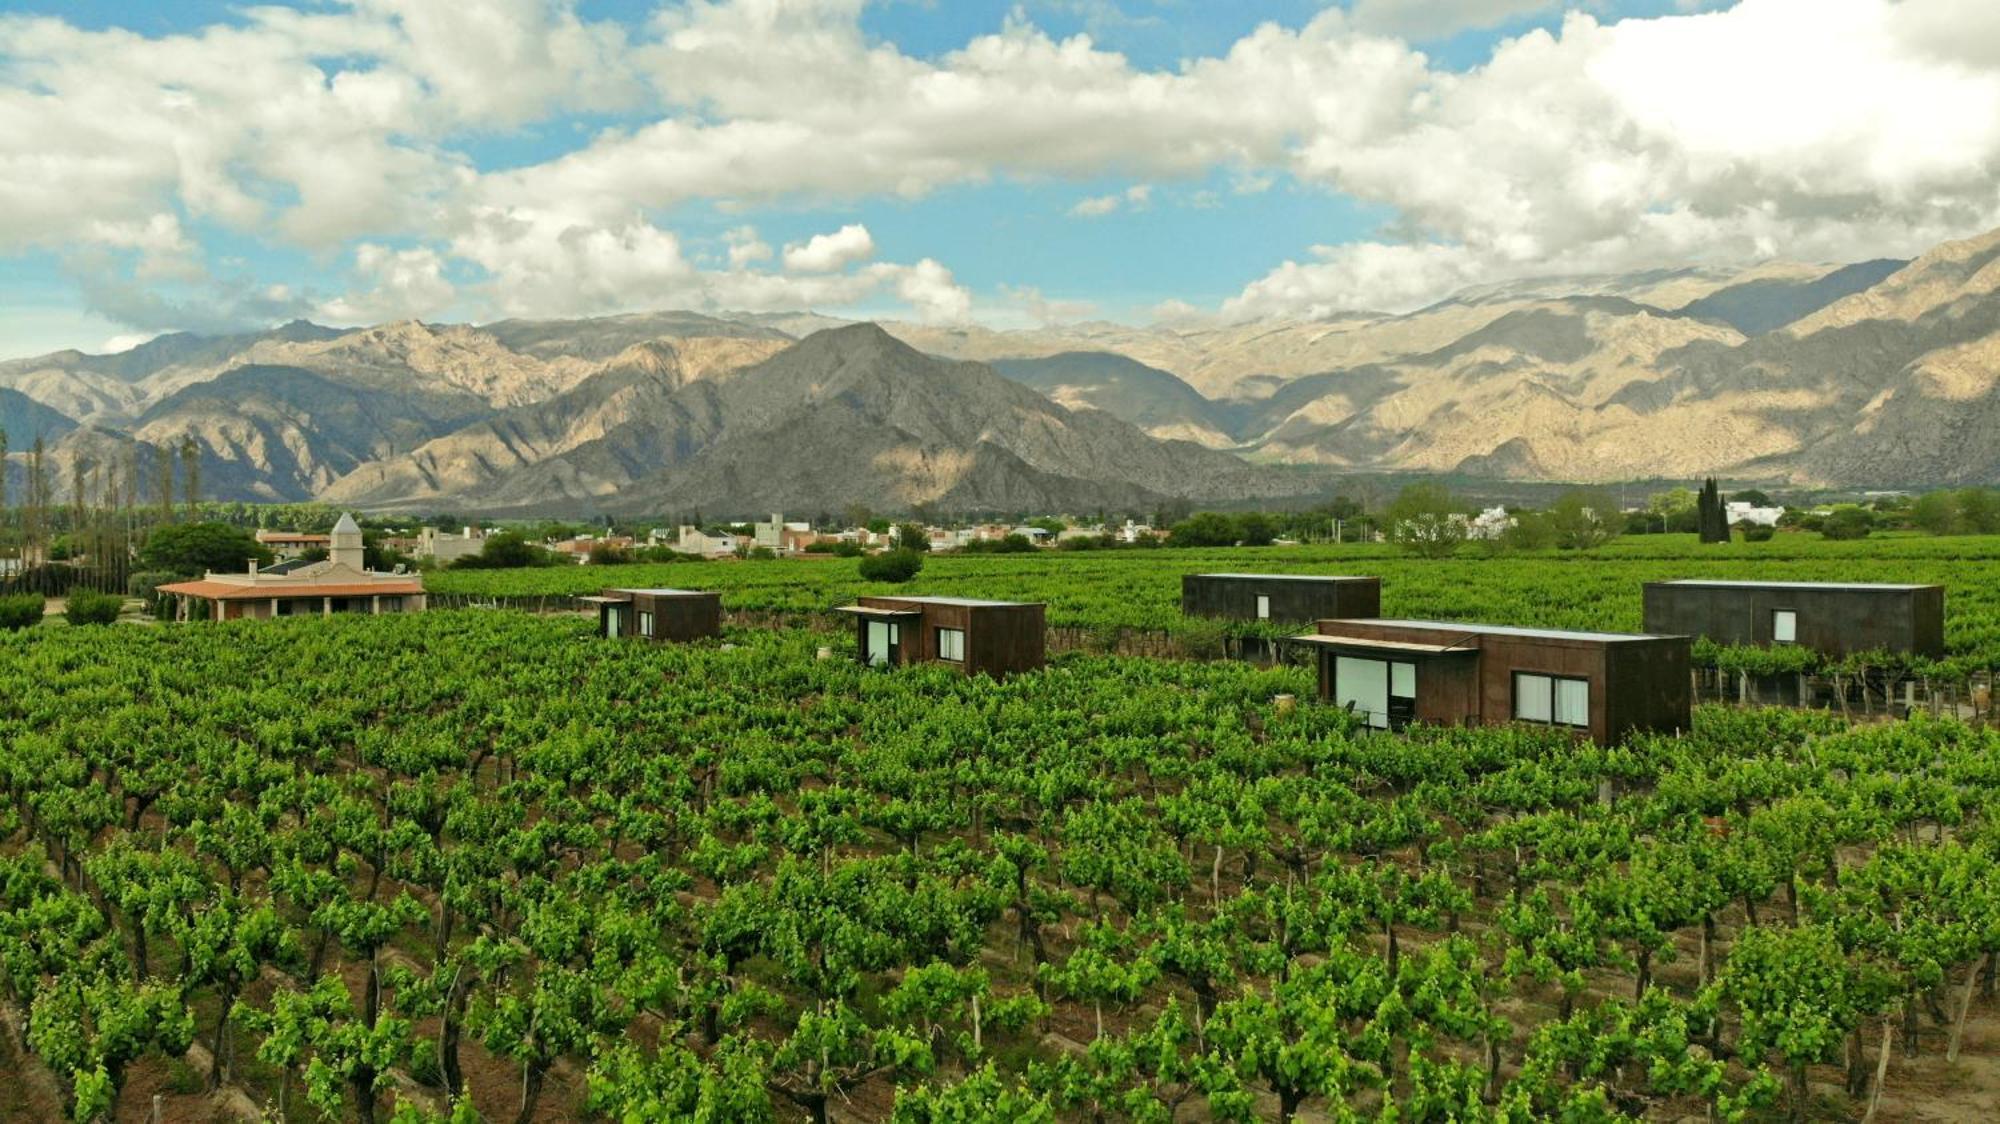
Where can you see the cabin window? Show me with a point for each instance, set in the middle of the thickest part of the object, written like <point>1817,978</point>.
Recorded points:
<point>1382,692</point>
<point>1263,607</point>
<point>614,621</point>
<point>1554,700</point>
<point>1784,627</point>
<point>391,605</point>
<point>645,623</point>
<point>951,644</point>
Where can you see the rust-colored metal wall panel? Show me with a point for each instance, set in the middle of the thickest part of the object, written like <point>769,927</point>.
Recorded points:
<point>678,618</point>
<point>1293,597</point>
<point>1833,619</point>
<point>1649,687</point>
<point>1000,638</point>
<point>1006,639</point>
<point>1636,682</point>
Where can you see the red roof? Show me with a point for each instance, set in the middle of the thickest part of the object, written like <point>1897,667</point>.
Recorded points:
<point>230,591</point>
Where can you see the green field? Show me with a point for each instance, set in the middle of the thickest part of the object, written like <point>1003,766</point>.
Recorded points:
<point>1140,589</point>
<point>489,866</point>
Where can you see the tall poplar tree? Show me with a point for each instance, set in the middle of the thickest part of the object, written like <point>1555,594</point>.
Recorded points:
<point>191,473</point>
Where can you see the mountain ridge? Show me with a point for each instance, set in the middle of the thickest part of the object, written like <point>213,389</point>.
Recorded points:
<point>1881,371</point>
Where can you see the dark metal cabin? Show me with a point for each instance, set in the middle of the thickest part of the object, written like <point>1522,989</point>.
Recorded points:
<point>995,637</point>
<point>1601,684</point>
<point>1279,597</point>
<point>1834,618</point>
<point>659,615</point>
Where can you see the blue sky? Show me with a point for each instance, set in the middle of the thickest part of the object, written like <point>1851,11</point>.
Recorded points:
<point>960,159</point>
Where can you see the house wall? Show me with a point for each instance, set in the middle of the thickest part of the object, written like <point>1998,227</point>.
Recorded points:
<point>1501,656</point>
<point>1649,686</point>
<point>1006,639</point>
<point>1235,598</point>
<point>1447,686</point>
<point>1833,621</point>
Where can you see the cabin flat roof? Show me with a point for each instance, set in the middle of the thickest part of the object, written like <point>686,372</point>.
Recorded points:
<point>1501,630</point>
<point>970,602</point>
<point>872,611</point>
<point>1378,645</point>
<point>667,592</point>
<point>1900,587</point>
<point>1296,577</point>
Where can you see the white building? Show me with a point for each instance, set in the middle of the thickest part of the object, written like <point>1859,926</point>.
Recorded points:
<point>1489,524</point>
<point>1132,532</point>
<point>1741,512</point>
<point>693,541</point>
<point>780,536</point>
<point>446,548</point>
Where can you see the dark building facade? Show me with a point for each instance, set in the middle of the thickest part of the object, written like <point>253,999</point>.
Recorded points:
<point>995,637</point>
<point>1602,685</point>
<point>1834,618</point>
<point>659,615</point>
<point>1279,597</point>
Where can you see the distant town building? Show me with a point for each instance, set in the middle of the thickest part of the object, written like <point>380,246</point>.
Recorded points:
<point>1741,512</point>
<point>1133,532</point>
<point>1489,524</point>
<point>445,548</point>
<point>291,544</point>
<point>341,584</point>
<point>782,537</point>
<point>692,540</point>
<point>580,548</point>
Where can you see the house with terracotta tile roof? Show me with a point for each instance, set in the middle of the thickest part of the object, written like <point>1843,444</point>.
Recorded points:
<point>340,584</point>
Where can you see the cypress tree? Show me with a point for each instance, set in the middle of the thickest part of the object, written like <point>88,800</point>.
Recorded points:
<point>1711,517</point>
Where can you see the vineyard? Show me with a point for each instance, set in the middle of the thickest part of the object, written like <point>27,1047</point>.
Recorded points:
<point>477,865</point>
<point>1099,591</point>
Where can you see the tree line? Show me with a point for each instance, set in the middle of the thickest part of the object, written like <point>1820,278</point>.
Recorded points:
<point>83,526</point>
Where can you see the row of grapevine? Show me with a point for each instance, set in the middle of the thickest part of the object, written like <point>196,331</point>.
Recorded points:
<point>1105,591</point>
<point>480,865</point>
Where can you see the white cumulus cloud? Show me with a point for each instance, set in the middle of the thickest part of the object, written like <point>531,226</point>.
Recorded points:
<point>823,253</point>
<point>1419,20</point>
<point>1828,129</point>
<point>1135,198</point>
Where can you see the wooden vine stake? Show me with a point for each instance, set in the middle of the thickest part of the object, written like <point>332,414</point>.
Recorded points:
<point>1964,1006</point>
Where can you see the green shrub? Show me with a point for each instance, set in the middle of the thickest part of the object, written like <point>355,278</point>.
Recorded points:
<point>1847,522</point>
<point>22,610</point>
<point>90,607</point>
<point>895,566</point>
<point>145,585</point>
<point>1755,533</point>
<point>1006,544</point>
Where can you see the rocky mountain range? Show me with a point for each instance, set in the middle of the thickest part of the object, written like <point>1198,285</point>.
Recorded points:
<point>1879,373</point>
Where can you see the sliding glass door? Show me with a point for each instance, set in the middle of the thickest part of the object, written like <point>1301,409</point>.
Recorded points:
<point>880,642</point>
<point>1383,692</point>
